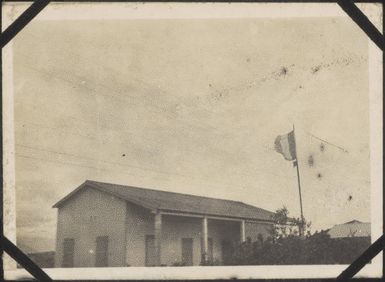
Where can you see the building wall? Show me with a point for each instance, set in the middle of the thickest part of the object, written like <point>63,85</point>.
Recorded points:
<point>139,223</point>
<point>43,259</point>
<point>253,229</point>
<point>88,214</point>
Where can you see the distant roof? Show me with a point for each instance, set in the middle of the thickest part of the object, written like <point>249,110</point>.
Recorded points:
<point>352,228</point>
<point>176,202</point>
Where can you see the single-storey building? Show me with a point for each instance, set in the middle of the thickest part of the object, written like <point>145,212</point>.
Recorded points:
<point>101,224</point>
<point>350,229</point>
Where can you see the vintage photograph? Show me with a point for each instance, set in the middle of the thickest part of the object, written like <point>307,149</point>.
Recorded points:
<point>165,140</point>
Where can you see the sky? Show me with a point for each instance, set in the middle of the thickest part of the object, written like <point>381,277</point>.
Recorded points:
<point>192,106</point>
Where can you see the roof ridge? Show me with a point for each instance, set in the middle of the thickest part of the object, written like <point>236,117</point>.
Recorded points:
<point>166,200</point>
<point>255,207</point>
<point>351,222</point>
<point>171,192</point>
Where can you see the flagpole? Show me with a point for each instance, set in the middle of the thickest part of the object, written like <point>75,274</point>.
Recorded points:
<point>301,230</point>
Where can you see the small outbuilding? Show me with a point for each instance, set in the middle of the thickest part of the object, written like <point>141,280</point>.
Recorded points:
<point>351,229</point>
<point>101,224</point>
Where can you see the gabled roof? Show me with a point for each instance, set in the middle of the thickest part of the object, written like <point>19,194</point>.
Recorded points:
<point>352,228</point>
<point>176,202</point>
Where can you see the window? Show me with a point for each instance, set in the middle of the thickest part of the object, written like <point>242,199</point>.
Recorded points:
<point>68,252</point>
<point>150,250</point>
<point>101,258</point>
<point>187,251</point>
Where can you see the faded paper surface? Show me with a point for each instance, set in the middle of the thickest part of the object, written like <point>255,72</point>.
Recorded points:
<point>189,98</point>
<point>9,196</point>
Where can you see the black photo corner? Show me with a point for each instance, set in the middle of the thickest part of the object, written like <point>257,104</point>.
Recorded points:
<point>37,6</point>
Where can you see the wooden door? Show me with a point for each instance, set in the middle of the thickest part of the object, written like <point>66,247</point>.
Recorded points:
<point>68,252</point>
<point>187,251</point>
<point>101,259</point>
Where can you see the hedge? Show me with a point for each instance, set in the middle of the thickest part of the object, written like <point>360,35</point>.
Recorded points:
<point>318,248</point>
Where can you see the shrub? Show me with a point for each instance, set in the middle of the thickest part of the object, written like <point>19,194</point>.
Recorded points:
<point>318,248</point>
<point>285,246</point>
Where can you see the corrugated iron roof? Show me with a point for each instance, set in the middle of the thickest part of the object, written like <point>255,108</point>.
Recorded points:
<point>352,228</point>
<point>176,202</point>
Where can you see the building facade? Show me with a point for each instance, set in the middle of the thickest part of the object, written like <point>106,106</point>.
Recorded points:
<point>101,224</point>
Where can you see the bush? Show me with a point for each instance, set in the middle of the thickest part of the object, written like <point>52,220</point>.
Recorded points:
<point>318,248</point>
<point>285,246</point>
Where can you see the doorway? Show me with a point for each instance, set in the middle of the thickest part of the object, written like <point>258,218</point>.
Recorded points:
<point>187,251</point>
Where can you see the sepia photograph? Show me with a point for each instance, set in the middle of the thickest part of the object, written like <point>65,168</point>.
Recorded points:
<point>192,141</point>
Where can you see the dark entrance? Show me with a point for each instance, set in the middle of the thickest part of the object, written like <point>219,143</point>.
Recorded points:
<point>227,252</point>
<point>101,251</point>
<point>187,251</point>
<point>68,252</point>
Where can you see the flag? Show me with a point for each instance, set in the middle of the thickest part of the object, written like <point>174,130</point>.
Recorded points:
<point>285,145</point>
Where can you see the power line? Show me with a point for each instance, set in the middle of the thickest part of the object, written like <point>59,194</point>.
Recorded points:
<point>126,165</point>
<point>98,168</point>
<point>331,144</point>
<point>261,170</point>
<point>41,126</point>
<point>124,99</point>
<point>211,129</point>
<point>96,160</point>
<point>56,161</point>
<point>96,137</point>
